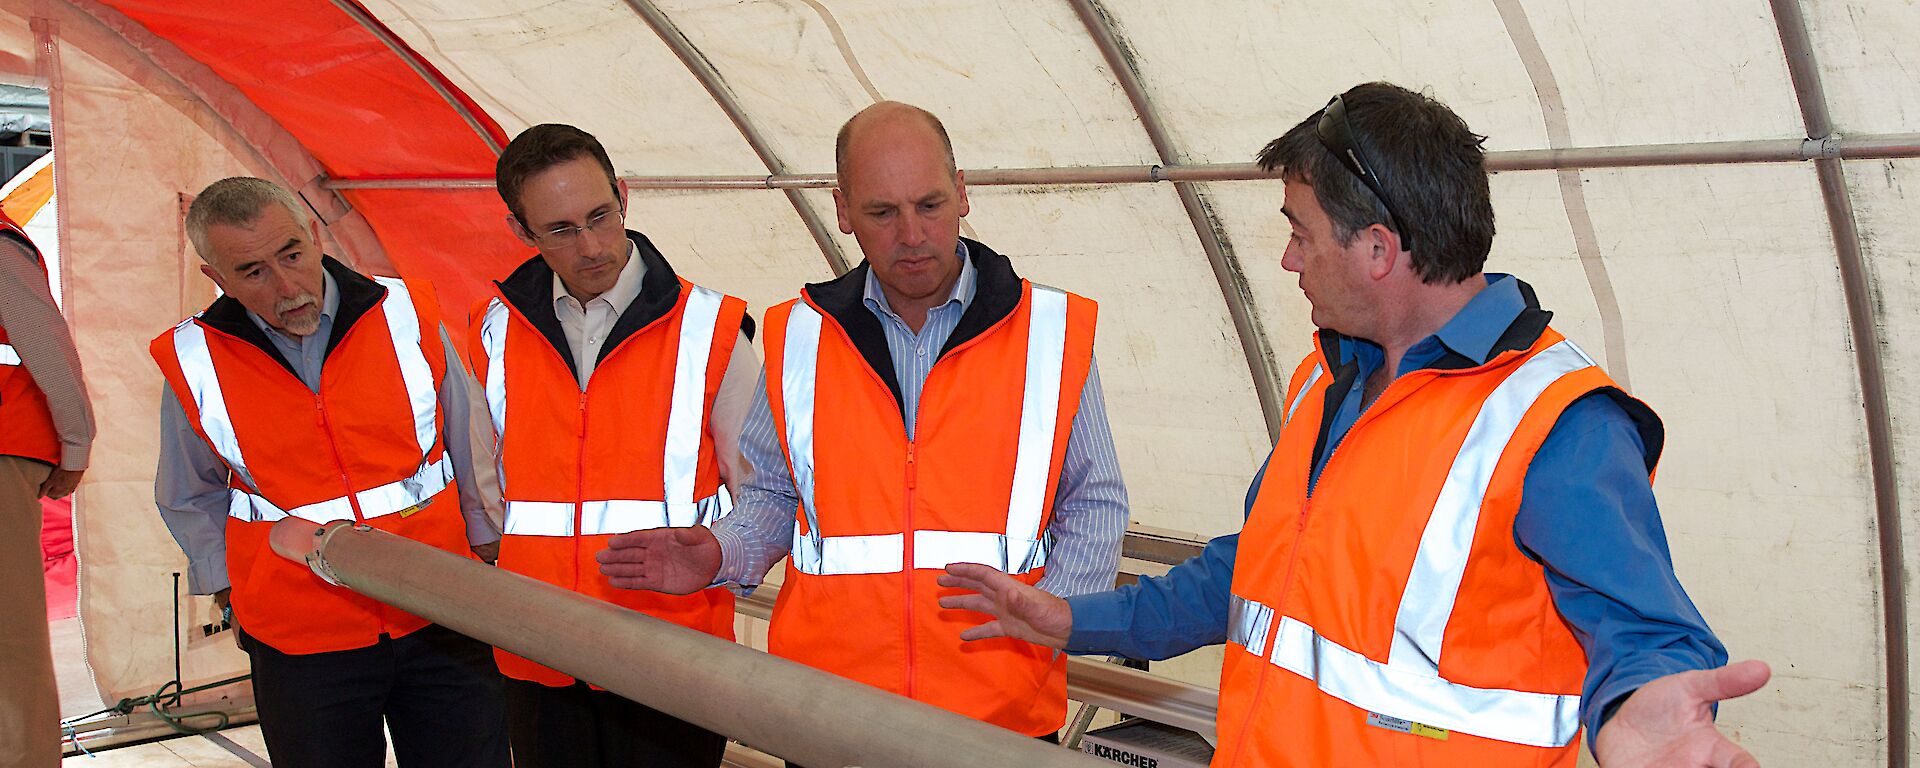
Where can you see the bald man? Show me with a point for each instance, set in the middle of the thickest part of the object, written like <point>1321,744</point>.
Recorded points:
<point>928,407</point>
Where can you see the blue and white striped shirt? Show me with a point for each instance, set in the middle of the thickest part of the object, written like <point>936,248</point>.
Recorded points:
<point>1090,502</point>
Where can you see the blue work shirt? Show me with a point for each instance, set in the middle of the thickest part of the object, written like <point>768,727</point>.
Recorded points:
<point>1587,514</point>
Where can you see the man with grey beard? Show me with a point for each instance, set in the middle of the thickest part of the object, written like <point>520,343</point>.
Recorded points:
<point>310,390</point>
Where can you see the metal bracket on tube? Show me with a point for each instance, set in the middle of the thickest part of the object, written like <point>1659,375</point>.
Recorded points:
<point>1824,148</point>
<point>317,559</point>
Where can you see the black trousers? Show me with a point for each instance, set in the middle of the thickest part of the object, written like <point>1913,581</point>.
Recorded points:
<point>438,691</point>
<point>579,727</point>
<point>1050,738</point>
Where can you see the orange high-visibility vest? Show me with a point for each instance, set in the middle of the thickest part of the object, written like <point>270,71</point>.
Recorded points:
<point>881,517</point>
<point>1389,618</point>
<point>365,448</point>
<point>26,424</point>
<point>630,453</point>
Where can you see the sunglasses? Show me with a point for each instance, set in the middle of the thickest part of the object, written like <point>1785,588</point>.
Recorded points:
<point>1337,136</point>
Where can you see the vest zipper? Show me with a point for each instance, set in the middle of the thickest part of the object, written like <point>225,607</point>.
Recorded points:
<point>326,425</point>
<point>1293,557</point>
<point>579,491</point>
<point>906,565</point>
<point>1266,661</point>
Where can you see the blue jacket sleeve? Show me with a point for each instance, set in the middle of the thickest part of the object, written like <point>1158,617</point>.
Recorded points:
<point>1588,515</point>
<point>1163,617</point>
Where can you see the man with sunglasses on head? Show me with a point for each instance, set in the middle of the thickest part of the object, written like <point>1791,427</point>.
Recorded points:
<point>1453,556</point>
<point>616,389</point>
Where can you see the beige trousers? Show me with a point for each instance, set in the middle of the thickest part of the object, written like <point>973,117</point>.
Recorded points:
<point>29,698</point>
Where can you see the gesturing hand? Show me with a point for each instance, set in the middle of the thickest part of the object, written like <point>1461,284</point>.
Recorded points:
<point>676,561</point>
<point>1669,722</point>
<point>1019,611</point>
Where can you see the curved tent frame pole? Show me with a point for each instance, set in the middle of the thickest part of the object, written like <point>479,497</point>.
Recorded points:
<point>1796,44</point>
<point>710,79</point>
<point>262,136</point>
<point>485,130</point>
<point>1268,383</point>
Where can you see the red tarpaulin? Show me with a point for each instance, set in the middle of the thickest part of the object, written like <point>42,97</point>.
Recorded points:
<point>56,548</point>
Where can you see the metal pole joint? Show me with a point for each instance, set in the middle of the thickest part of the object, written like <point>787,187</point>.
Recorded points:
<point>1822,148</point>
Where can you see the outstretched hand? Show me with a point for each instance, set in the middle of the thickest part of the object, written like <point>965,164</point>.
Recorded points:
<point>677,561</point>
<point>1669,722</point>
<point>1020,611</point>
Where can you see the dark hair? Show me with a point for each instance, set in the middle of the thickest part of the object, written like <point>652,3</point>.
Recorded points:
<point>845,136</point>
<point>1427,160</point>
<point>539,148</point>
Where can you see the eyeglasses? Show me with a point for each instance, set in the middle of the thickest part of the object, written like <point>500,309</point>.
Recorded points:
<point>606,223</point>
<point>1337,136</point>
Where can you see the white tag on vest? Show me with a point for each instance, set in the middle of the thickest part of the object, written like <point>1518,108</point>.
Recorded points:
<point>1390,723</point>
<point>409,511</point>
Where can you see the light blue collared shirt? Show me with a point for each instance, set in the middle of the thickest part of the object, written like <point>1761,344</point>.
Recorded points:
<point>1090,503</point>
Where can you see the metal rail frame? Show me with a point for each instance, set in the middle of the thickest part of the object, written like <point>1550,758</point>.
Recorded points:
<point>1865,147</point>
<point>421,69</point>
<point>1269,384</point>
<point>1796,44</point>
<point>709,78</point>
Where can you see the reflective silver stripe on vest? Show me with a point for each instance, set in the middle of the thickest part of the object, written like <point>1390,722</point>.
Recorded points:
<point>939,549</point>
<point>1520,717</point>
<point>416,373</point>
<point>203,384</point>
<point>1247,624</point>
<point>1408,685</point>
<point>9,355</point>
<point>1022,548</point>
<point>612,516</point>
<point>1301,397</point>
<point>687,417</point>
<point>1033,463</point>
<point>680,462</point>
<point>885,553</point>
<point>397,496</point>
<point>403,326</point>
<point>493,340</point>
<point>1441,561</point>
<point>800,362</point>
<point>848,555</point>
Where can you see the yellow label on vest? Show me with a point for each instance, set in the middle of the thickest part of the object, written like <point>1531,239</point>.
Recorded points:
<point>1378,720</point>
<point>408,512</point>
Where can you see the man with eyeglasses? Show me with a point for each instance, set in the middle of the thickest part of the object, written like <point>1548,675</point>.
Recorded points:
<point>616,389</point>
<point>1453,556</point>
<point>310,390</point>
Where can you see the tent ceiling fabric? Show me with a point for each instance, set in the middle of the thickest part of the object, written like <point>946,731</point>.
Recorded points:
<point>1866,54</point>
<point>1716,286</point>
<point>1009,79</point>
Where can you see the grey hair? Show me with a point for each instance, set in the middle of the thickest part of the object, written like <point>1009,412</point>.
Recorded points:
<point>236,202</point>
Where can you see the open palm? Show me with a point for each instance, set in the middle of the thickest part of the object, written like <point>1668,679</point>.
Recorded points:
<point>1020,611</point>
<point>1669,722</point>
<point>676,561</point>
